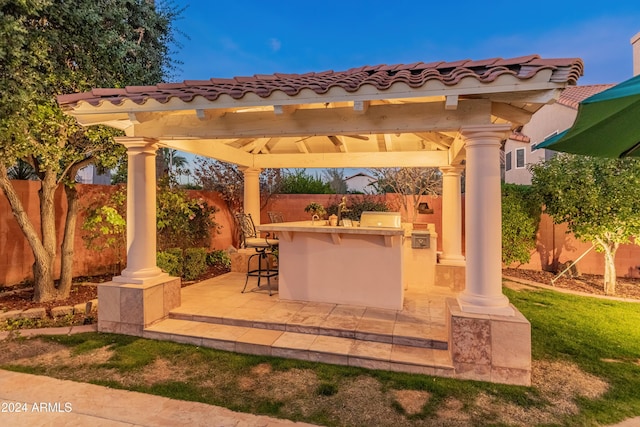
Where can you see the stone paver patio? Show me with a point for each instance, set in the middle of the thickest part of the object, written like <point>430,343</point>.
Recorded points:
<point>215,314</point>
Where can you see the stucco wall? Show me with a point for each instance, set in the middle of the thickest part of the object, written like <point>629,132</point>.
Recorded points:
<point>16,258</point>
<point>549,119</point>
<point>554,244</point>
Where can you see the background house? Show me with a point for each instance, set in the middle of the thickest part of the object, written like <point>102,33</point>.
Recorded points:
<point>90,175</point>
<point>360,183</point>
<point>519,149</point>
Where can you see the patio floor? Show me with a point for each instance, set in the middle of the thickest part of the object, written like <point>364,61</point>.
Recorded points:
<point>214,313</point>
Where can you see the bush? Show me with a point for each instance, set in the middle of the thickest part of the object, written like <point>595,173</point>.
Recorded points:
<point>219,258</point>
<point>520,218</point>
<point>299,182</point>
<point>171,261</point>
<point>358,204</point>
<point>195,263</point>
<point>183,221</point>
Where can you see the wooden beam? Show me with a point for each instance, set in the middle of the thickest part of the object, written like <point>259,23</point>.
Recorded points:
<point>512,114</point>
<point>381,140</point>
<point>457,151</point>
<point>271,143</point>
<point>451,102</point>
<point>353,160</point>
<point>260,146</point>
<point>360,137</point>
<point>391,118</point>
<point>360,107</point>
<point>302,146</point>
<point>213,149</point>
<point>441,140</point>
<point>338,141</point>
<point>284,110</point>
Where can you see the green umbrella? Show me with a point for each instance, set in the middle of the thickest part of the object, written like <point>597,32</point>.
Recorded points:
<point>608,124</point>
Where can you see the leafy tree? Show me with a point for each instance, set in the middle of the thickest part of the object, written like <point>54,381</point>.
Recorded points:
<point>22,171</point>
<point>300,182</point>
<point>359,203</point>
<point>170,162</point>
<point>183,221</point>
<point>520,218</point>
<point>105,227</point>
<point>409,183</point>
<point>50,47</point>
<point>228,180</point>
<point>335,179</point>
<point>598,198</point>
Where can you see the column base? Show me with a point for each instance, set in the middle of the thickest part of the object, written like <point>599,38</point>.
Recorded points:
<point>481,305</point>
<point>142,277</point>
<point>126,308</point>
<point>453,260</point>
<point>488,347</point>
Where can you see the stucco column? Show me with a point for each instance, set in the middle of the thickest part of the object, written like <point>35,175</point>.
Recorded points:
<point>483,222</point>
<point>451,216</point>
<point>141,212</point>
<point>252,193</point>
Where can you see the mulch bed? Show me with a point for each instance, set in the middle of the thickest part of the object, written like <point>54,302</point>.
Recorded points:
<point>20,297</point>
<point>589,283</point>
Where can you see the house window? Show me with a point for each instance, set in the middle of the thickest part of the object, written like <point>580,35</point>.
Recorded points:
<point>519,158</point>
<point>507,162</point>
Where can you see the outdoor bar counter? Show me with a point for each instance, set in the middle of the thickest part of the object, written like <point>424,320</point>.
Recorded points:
<point>341,265</point>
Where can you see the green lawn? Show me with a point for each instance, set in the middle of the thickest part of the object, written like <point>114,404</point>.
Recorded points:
<point>595,340</point>
<point>601,336</point>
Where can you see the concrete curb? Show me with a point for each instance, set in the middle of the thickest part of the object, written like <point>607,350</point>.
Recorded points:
<point>64,330</point>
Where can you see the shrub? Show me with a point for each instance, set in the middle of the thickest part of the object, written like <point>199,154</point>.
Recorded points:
<point>183,221</point>
<point>195,263</point>
<point>171,261</point>
<point>219,258</point>
<point>299,182</point>
<point>358,204</point>
<point>520,218</point>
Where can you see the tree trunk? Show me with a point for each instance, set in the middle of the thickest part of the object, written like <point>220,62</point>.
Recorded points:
<point>610,268</point>
<point>68,240</point>
<point>44,288</point>
<point>47,193</point>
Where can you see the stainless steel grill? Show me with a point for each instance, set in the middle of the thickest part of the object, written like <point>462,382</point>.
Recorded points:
<point>380,219</point>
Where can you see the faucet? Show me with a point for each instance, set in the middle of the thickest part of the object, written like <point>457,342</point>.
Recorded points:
<point>314,218</point>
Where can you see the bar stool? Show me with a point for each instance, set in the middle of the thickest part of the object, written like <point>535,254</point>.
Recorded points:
<point>265,247</point>
<point>275,217</point>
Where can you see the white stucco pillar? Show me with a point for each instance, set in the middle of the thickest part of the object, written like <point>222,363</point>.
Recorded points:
<point>252,193</point>
<point>141,212</point>
<point>451,216</point>
<point>483,222</point>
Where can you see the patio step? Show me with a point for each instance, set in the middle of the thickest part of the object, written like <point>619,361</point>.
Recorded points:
<point>437,338</point>
<point>305,346</point>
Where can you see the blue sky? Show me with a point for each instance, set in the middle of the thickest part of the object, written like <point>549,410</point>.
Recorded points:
<point>243,38</point>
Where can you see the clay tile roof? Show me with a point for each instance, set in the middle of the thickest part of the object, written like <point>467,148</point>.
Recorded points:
<point>381,77</point>
<point>519,136</point>
<point>573,95</point>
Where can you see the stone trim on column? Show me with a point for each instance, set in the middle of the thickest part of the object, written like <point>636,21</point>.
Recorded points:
<point>252,193</point>
<point>141,213</point>
<point>452,216</point>
<point>483,222</point>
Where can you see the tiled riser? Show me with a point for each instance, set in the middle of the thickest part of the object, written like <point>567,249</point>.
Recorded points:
<point>317,330</point>
<point>309,347</point>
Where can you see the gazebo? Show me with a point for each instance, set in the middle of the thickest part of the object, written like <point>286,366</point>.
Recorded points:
<point>449,115</point>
